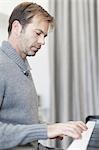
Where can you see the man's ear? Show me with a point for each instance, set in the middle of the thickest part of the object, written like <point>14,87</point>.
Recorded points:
<point>16,27</point>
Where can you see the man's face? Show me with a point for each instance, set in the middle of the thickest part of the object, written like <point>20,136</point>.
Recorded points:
<point>32,37</point>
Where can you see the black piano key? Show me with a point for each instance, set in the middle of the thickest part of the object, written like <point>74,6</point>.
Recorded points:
<point>93,143</point>
<point>94,139</point>
<point>92,148</point>
<point>95,132</point>
<point>95,136</point>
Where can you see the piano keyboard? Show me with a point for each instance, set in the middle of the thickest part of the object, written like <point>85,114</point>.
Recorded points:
<point>89,140</point>
<point>94,139</point>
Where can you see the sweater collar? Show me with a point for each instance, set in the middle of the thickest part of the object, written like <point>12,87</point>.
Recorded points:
<point>13,55</point>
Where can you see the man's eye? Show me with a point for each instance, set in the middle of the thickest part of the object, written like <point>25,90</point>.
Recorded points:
<point>38,33</point>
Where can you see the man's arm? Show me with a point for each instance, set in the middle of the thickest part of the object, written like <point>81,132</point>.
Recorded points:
<point>13,135</point>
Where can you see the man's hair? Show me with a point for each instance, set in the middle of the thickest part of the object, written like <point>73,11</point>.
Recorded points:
<point>24,13</point>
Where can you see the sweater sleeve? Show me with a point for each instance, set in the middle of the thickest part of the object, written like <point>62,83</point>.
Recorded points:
<point>13,135</point>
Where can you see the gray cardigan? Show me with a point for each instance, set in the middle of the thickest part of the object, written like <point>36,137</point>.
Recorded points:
<point>18,101</point>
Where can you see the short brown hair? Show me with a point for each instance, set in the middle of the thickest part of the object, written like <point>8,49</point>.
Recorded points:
<point>24,13</point>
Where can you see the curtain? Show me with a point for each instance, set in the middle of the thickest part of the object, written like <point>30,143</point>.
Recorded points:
<point>73,48</point>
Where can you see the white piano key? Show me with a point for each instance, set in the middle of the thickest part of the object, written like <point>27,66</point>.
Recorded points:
<point>81,144</point>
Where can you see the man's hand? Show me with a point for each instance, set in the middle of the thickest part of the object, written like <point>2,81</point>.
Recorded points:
<point>72,129</point>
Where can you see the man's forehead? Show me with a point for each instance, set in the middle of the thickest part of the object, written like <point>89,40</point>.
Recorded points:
<point>39,19</point>
<point>40,24</point>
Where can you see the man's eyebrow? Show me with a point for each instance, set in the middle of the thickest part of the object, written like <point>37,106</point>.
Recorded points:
<point>42,32</point>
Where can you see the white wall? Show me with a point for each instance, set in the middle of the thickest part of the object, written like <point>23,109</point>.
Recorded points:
<point>3,25</point>
<point>6,6</point>
<point>39,63</point>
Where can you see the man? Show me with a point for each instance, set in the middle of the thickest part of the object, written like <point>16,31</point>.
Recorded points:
<point>19,125</point>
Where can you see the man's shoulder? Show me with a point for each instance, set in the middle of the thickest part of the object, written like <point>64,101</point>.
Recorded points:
<point>3,57</point>
<point>5,63</point>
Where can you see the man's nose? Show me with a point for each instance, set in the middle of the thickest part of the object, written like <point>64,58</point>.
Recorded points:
<point>41,40</point>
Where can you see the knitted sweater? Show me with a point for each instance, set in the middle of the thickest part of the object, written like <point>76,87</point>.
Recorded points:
<point>18,101</point>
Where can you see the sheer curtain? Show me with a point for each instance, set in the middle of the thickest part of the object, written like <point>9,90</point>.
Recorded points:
<point>74,61</point>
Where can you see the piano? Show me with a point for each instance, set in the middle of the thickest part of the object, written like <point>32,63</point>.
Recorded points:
<point>90,138</point>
